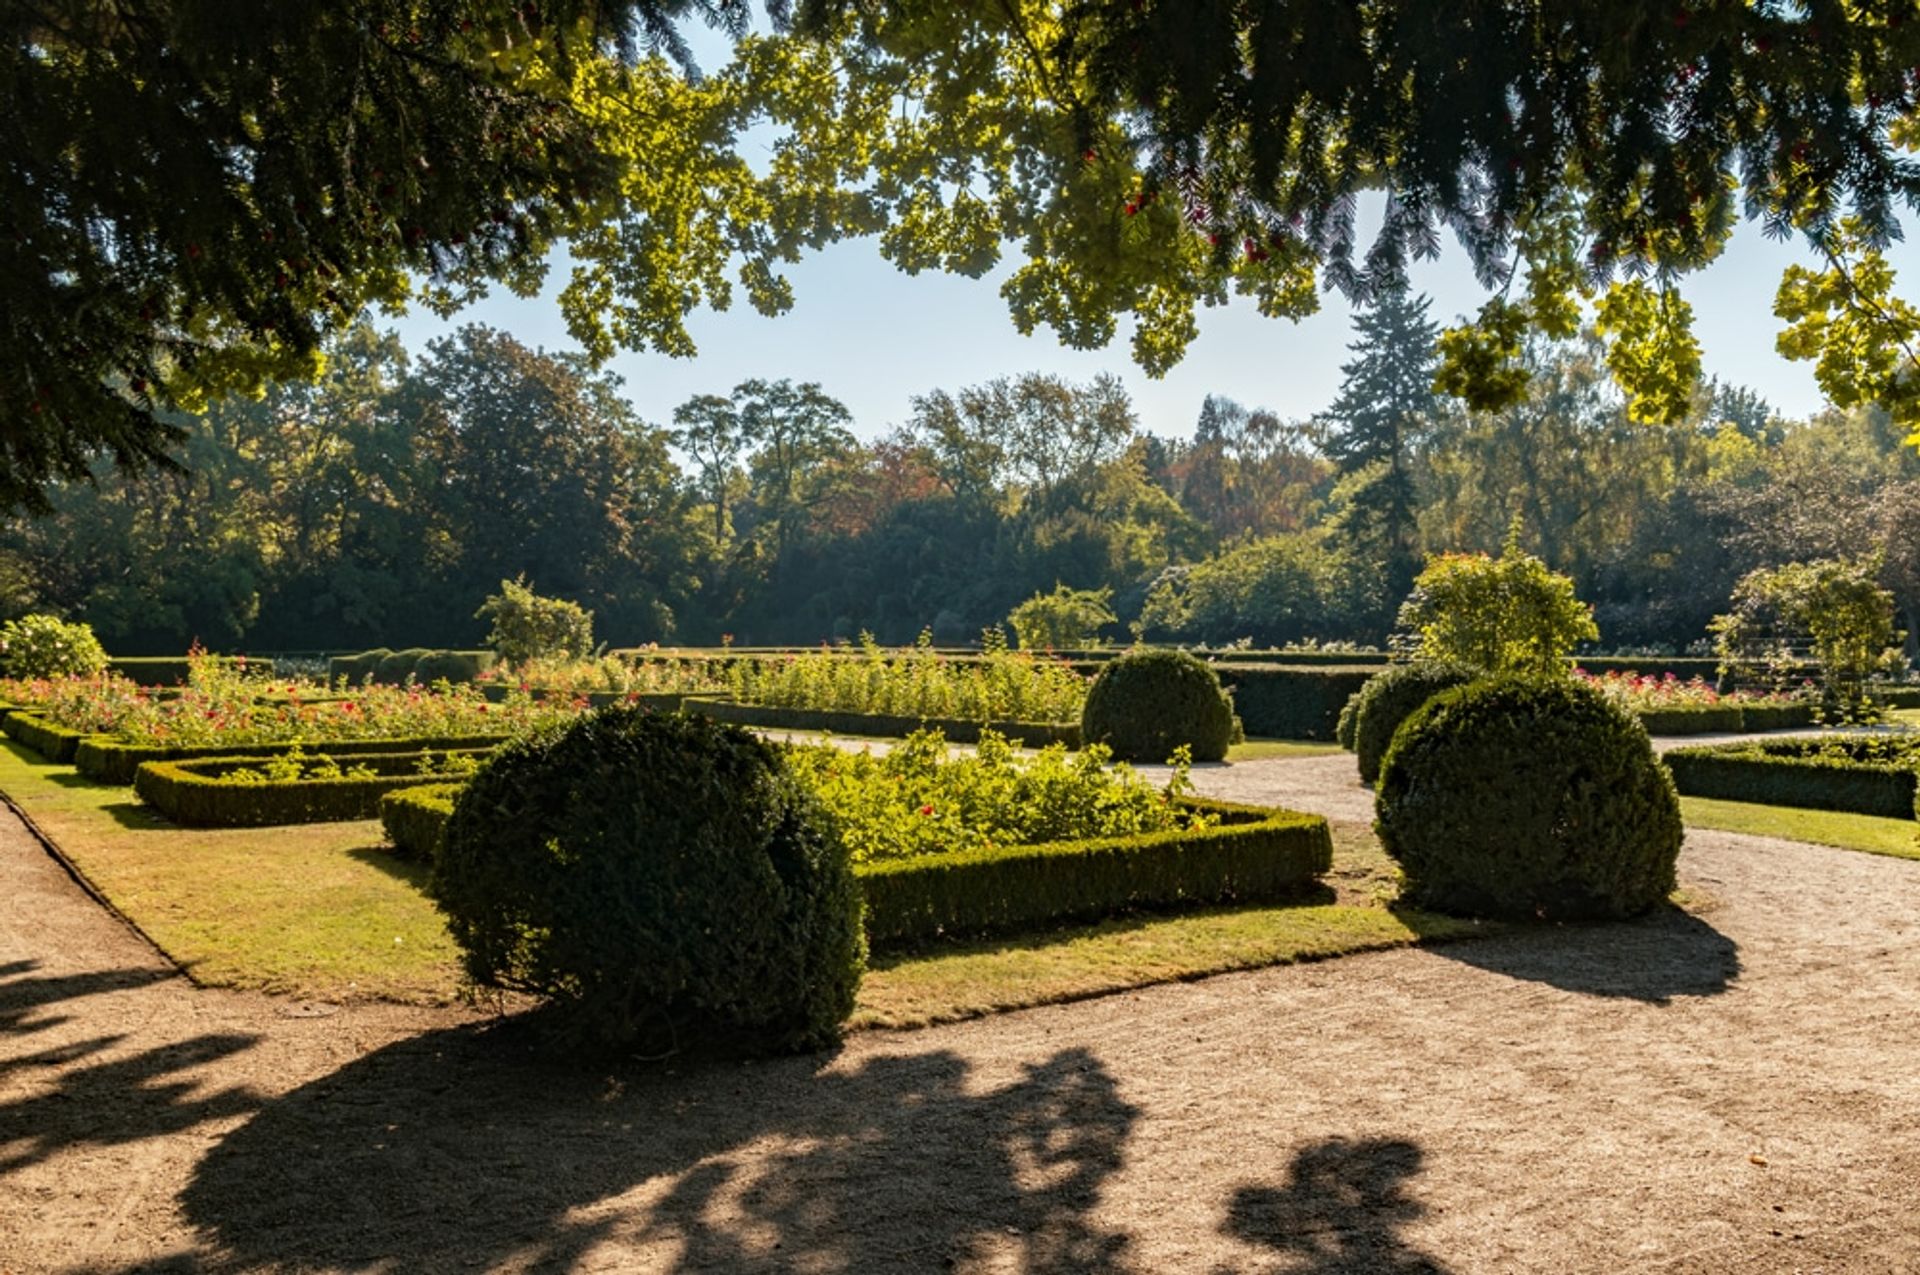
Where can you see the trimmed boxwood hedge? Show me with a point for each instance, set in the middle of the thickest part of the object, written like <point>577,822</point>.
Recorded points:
<point>1291,701</point>
<point>171,670</point>
<point>192,792</point>
<point>416,818</point>
<point>107,760</point>
<point>55,743</point>
<point>1251,855</point>
<point>1863,774</point>
<point>1030,734</point>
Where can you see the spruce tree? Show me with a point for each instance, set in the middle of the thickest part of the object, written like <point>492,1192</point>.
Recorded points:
<point>1373,429</point>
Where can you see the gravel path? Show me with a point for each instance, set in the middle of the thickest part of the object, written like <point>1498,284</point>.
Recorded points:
<point>1728,1092</point>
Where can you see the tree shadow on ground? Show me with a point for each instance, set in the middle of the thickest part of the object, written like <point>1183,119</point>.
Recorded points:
<point>454,1151</point>
<point>136,816</point>
<point>24,996</point>
<point>1339,1212</point>
<point>1655,958</point>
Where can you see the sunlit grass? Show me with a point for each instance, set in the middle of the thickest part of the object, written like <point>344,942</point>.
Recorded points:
<point>1873,834</point>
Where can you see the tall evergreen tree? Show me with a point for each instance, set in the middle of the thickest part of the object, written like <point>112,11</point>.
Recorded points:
<point>1373,429</point>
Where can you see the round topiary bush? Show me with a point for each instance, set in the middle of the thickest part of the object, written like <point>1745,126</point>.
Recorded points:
<point>1525,798</point>
<point>1391,697</point>
<point>1344,726</point>
<point>660,879</point>
<point>394,669</point>
<point>1145,704</point>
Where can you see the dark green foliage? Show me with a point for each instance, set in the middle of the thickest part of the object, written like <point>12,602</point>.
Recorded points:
<point>191,792</point>
<point>416,819</point>
<point>1146,704</point>
<point>1522,799</point>
<point>1694,719</point>
<point>1282,702</point>
<point>165,670</point>
<point>394,669</point>
<point>1389,699</point>
<point>1343,729</point>
<point>1027,734</point>
<point>1864,775</point>
<point>1758,717</point>
<point>55,743</point>
<point>659,877</point>
<point>106,760</point>
<point>454,666</point>
<point>1251,856</point>
<point>356,668</point>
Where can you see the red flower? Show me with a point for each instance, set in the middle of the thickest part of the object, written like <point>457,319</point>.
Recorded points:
<point>926,810</point>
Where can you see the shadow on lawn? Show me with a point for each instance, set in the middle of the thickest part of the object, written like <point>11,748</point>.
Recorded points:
<point>454,1151</point>
<point>1339,1211</point>
<point>410,871</point>
<point>1656,958</point>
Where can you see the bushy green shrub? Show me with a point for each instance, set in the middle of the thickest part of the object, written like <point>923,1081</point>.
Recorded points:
<point>1510,614</point>
<point>657,877</point>
<point>1527,798</point>
<point>452,666</point>
<point>357,668</point>
<point>1343,729</point>
<point>527,626</point>
<point>46,646</point>
<point>1389,699</point>
<point>1066,619</point>
<point>1146,704</point>
<point>396,668</point>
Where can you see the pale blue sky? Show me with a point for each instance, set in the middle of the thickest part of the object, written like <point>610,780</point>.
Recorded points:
<point>874,337</point>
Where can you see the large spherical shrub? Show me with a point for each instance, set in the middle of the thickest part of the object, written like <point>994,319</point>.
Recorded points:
<point>1520,798</point>
<point>1391,697</point>
<point>661,878</point>
<point>1145,704</point>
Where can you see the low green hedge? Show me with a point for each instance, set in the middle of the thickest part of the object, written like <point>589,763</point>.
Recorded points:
<point>1699,719</point>
<point>1251,855</point>
<point>171,670</point>
<point>1030,734</point>
<point>107,760</point>
<point>1292,701</point>
<point>416,818</point>
<point>194,793</point>
<point>54,743</point>
<point>1867,775</point>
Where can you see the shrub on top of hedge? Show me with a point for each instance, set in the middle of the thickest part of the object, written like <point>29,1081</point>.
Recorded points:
<point>659,878</point>
<point>47,646</point>
<point>1146,704</point>
<point>1389,699</point>
<point>1527,798</point>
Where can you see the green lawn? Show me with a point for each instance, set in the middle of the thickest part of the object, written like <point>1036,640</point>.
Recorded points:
<point>322,912</point>
<point>1870,833</point>
<point>1259,749</point>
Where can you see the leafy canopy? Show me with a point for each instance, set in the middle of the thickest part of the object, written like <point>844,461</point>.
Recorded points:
<point>1510,614</point>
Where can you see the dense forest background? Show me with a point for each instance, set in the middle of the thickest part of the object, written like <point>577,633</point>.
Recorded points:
<point>379,504</point>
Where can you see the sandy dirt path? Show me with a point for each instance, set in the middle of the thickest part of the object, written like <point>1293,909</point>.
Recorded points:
<point>1729,1092</point>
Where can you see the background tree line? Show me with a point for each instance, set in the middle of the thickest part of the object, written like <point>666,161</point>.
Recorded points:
<point>378,504</point>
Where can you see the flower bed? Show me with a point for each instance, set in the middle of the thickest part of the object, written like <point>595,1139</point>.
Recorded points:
<point>1669,705</point>
<point>1869,775</point>
<point>987,842</point>
<point>247,792</point>
<point>1030,734</point>
<point>915,683</point>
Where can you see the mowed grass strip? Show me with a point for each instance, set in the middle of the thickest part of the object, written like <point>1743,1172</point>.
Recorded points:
<point>310,910</point>
<point>1872,834</point>
<point>972,980</point>
<point>1261,749</point>
<point>322,912</point>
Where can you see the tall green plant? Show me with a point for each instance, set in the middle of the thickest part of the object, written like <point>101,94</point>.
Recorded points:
<point>528,627</point>
<point>1832,609</point>
<point>1066,619</point>
<point>1510,614</point>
